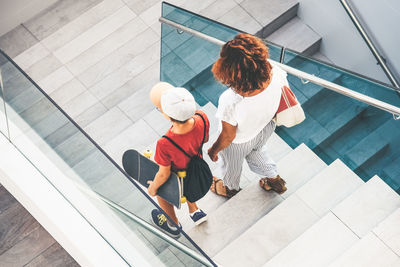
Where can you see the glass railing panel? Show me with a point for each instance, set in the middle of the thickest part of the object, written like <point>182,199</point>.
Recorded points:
<point>341,77</point>
<point>186,60</point>
<point>364,137</point>
<point>36,119</point>
<point>3,120</point>
<point>336,126</point>
<point>158,251</point>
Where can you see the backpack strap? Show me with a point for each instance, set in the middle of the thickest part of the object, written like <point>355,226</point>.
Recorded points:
<point>202,142</point>
<point>175,144</point>
<point>205,126</point>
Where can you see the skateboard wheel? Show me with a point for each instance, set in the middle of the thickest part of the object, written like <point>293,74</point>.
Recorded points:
<point>148,153</point>
<point>183,199</point>
<point>181,174</point>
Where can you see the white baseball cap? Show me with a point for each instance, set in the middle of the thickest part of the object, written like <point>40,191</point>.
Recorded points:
<point>178,103</point>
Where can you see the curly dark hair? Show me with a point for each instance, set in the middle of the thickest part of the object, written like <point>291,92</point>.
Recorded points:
<point>243,63</point>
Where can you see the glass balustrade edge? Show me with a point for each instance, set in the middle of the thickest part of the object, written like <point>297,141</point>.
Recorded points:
<point>146,225</point>
<point>77,126</point>
<point>69,202</point>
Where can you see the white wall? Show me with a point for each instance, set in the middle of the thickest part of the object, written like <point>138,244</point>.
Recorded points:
<point>341,42</point>
<point>15,12</point>
<point>382,22</point>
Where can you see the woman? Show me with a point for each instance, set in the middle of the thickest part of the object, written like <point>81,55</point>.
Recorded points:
<point>246,111</point>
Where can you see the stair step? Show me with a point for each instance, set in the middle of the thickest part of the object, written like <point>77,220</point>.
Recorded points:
<point>273,14</point>
<point>309,132</point>
<point>277,147</point>
<point>298,167</point>
<point>318,246</point>
<point>296,35</point>
<point>367,252</point>
<point>311,201</point>
<point>366,149</point>
<point>233,217</point>
<point>251,203</point>
<point>25,99</point>
<point>348,136</point>
<point>393,170</point>
<point>269,235</point>
<point>367,206</point>
<point>329,187</point>
<point>333,117</point>
<point>389,231</point>
<point>321,57</point>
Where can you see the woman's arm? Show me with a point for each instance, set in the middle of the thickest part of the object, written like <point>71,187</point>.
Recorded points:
<point>161,177</point>
<point>225,138</point>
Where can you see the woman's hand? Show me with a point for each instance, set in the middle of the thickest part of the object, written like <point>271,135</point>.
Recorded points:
<point>224,139</point>
<point>213,154</point>
<point>152,190</point>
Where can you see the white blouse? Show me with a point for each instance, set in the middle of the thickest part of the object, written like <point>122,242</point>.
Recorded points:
<point>251,114</point>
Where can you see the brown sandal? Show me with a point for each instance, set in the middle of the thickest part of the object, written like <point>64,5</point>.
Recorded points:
<point>276,184</point>
<point>228,192</point>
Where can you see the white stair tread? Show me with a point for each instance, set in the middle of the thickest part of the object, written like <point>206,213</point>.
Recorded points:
<point>277,146</point>
<point>329,187</point>
<point>295,34</point>
<point>209,203</point>
<point>367,252</point>
<point>389,231</point>
<point>367,206</point>
<point>299,167</point>
<point>269,235</point>
<point>318,246</point>
<point>233,217</point>
<point>277,149</point>
<point>239,213</point>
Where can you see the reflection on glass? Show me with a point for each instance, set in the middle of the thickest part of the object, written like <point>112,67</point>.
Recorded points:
<point>3,119</point>
<point>50,140</point>
<point>365,138</point>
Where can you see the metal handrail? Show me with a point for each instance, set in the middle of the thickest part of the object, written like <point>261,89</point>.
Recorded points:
<point>370,44</point>
<point>302,75</point>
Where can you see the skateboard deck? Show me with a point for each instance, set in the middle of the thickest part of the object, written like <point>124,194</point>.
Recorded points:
<point>143,169</point>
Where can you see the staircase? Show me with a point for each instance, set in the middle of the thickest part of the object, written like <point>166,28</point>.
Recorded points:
<point>327,216</point>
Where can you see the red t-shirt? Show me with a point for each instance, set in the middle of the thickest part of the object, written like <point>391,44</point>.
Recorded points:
<point>169,155</point>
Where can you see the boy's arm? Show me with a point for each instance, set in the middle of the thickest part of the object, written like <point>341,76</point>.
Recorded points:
<point>161,177</point>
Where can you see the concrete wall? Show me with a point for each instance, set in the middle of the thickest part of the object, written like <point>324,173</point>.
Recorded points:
<point>15,12</point>
<point>382,22</point>
<point>342,43</point>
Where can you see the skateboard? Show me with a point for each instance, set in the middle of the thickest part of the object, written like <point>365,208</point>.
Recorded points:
<point>143,169</point>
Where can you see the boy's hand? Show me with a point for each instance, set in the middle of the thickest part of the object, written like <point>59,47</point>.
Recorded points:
<point>152,190</point>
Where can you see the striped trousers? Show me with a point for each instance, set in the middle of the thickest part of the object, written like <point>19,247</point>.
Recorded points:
<point>231,159</point>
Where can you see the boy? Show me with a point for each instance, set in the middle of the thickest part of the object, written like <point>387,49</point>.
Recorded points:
<point>187,130</point>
